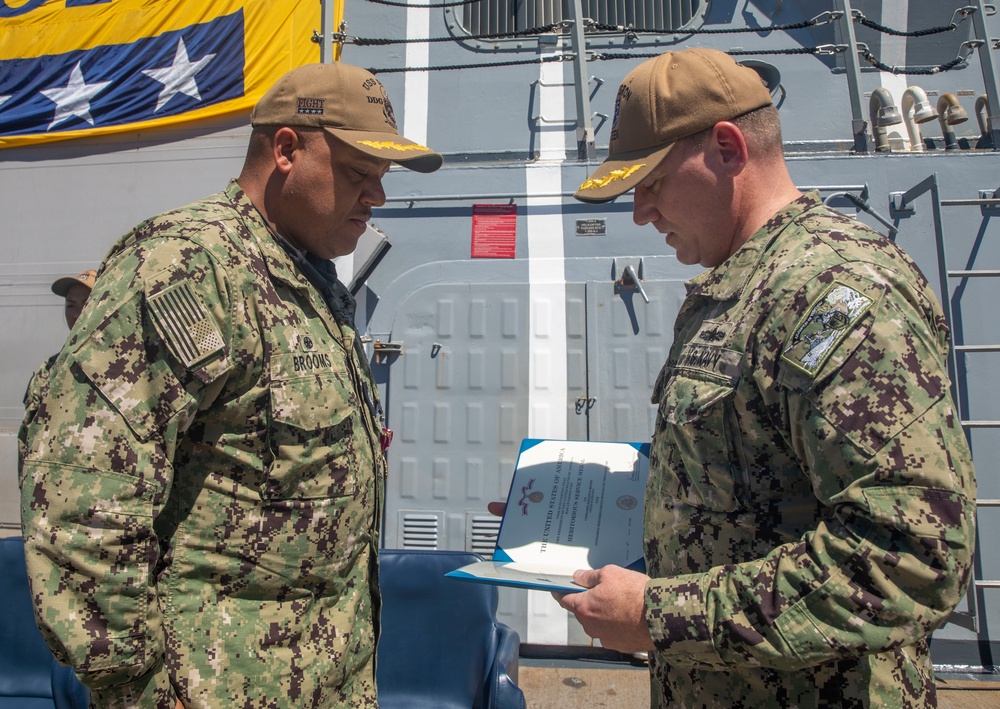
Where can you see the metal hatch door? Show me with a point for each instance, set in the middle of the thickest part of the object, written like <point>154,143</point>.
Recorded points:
<point>456,376</point>
<point>457,393</point>
<point>457,399</point>
<point>628,340</point>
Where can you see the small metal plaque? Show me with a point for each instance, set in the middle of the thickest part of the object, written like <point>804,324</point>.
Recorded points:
<point>591,227</point>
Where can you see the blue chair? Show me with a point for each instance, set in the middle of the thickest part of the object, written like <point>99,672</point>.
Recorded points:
<point>441,645</point>
<point>30,677</point>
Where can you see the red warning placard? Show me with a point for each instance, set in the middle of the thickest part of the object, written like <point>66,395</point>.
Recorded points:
<point>494,230</point>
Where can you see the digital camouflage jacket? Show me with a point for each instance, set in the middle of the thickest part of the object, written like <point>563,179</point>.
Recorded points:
<point>32,397</point>
<point>810,508</point>
<point>204,477</point>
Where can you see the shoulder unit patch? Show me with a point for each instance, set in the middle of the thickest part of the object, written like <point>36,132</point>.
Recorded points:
<point>829,320</point>
<point>180,319</point>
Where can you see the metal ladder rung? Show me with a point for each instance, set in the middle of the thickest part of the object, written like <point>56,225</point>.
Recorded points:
<point>977,348</point>
<point>970,202</point>
<point>972,274</point>
<point>988,203</point>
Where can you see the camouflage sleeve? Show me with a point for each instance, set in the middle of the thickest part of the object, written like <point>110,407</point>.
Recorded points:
<point>150,348</point>
<point>39,380</point>
<point>861,397</point>
<point>32,397</point>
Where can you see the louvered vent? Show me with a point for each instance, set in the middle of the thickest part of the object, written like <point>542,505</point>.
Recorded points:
<point>500,16</point>
<point>421,530</point>
<point>481,534</point>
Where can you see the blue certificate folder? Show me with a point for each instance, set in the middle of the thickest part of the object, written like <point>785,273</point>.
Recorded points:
<point>572,505</point>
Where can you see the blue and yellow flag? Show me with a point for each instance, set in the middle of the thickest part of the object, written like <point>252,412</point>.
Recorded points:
<point>70,68</point>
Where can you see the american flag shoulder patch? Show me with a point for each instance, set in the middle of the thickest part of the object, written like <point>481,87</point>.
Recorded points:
<point>180,319</point>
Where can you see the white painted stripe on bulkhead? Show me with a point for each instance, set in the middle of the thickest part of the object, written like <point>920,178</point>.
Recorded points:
<point>418,23</point>
<point>547,298</point>
<point>547,622</point>
<point>551,112</point>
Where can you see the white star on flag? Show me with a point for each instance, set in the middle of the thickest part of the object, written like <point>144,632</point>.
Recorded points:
<point>73,99</point>
<point>178,78</point>
<point>3,99</point>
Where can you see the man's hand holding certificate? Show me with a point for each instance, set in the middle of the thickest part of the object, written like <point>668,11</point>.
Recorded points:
<point>572,505</point>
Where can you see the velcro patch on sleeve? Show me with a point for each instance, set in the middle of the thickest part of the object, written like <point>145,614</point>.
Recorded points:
<point>180,319</point>
<point>826,324</point>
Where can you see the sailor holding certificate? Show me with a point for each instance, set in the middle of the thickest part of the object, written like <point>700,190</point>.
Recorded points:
<point>809,517</point>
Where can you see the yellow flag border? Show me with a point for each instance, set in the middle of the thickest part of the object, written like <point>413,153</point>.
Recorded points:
<point>125,21</point>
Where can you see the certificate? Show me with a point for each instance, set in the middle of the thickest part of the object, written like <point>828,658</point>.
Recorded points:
<point>572,505</point>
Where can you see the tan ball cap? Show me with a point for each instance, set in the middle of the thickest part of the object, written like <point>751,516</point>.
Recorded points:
<point>662,100</point>
<point>62,285</point>
<point>348,102</point>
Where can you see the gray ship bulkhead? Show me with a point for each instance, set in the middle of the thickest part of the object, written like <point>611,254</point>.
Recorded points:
<point>563,340</point>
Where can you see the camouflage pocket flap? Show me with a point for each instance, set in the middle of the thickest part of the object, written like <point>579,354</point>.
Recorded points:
<point>686,400</point>
<point>929,513</point>
<point>310,391</point>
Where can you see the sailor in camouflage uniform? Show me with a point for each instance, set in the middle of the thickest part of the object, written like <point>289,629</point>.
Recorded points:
<point>810,506</point>
<point>74,290</point>
<point>204,479</point>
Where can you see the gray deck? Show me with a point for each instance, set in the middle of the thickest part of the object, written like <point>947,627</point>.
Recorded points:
<point>579,686</point>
